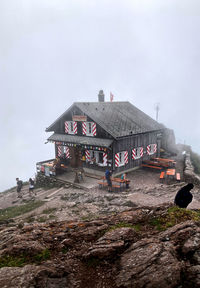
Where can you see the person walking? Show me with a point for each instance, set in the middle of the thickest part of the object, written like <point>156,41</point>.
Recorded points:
<point>184,197</point>
<point>19,187</point>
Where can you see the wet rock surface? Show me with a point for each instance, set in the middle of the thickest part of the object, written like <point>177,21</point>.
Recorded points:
<point>122,250</point>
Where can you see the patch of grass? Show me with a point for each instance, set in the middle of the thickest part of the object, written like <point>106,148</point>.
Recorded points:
<point>30,219</point>
<point>49,210</point>
<point>42,219</point>
<point>136,227</point>
<point>51,216</point>
<point>43,256</point>
<point>12,261</point>
<point>64,250</point>
<point>174,216</point>
<point>14,211</point>
<point>21,260</point>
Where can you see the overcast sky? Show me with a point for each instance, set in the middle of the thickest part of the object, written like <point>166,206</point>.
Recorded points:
<point>55,52</point>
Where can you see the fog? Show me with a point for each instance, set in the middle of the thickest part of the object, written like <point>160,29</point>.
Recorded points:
<point>56,52</point>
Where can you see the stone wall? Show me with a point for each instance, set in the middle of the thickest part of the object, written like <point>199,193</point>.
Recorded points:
<point>189,174</point>
<point>45,181</point>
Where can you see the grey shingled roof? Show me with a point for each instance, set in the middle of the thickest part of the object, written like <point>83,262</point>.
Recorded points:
<point>117,118</point>
<point>80,140</point>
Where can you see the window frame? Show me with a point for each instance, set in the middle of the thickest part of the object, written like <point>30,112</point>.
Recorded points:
<point>71,125</point>
<point>151,152</point>
<point>88,127</point>
<point>136,154</point>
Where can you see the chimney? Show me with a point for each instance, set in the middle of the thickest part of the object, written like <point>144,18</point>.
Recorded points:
<point>101,96</point>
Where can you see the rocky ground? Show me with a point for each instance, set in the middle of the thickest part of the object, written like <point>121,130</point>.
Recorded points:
<point>67,237</point>
<point>142,247</point>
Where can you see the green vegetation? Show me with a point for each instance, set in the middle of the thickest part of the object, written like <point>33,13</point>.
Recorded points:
<point>195,159</point>
<point>137,227</point>
<point>21,260</point>
<point>43,256</point>
<point>14,211</point>
<point>42,219</point>
<point>49,210</point>
<point>174,216</point>
<point>30,219</point>
<point>64,250</point>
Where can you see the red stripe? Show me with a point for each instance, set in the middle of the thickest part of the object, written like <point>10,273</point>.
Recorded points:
<point>84,128</point>
<point>117,160</point>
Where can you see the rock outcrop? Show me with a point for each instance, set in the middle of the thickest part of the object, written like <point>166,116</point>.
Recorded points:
<point>130,249</point>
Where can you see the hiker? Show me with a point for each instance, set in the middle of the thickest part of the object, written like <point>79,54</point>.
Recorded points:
<point>31,187</point>
<point>108,174</point>
<point>184,196</point>
<point>19,187</point>
<point>123,176</point>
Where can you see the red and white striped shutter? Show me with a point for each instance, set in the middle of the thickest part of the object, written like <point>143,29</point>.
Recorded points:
<point>75,127</point>
<point>133,154</point>
<point>84,129</point>
<point>94,129</point>
<point>87,155</point>
<point>66,127</point>
<point>154,148</point>
<point>141,151</point>
<point>126,157</point>
<point>59,151</point>
<point>148,149</point>
<point>105,158</point>
<point>117,160</point>
<point>66,151</point>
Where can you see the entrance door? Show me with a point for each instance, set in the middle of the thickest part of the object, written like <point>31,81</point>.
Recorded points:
<point>75,154</point>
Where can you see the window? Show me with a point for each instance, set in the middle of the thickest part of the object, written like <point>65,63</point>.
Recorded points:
<point>137,153</point>
<point>98,158</point>
<point>89,128</point>
<point>71,127</point>
<point>101,157</point>
<point>121,158</point>
<point>151,149</point>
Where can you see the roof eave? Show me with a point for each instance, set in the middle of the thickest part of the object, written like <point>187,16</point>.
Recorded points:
<point>50,128</point>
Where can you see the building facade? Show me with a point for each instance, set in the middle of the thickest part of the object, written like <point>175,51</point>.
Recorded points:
<point>101,135</point>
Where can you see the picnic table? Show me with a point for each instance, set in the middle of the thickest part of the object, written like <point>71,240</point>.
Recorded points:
<point>170,173</point>
<point>165,162</point>
<point>116,182</point>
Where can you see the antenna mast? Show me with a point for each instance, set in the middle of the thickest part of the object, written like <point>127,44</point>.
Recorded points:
<point>157,108</point>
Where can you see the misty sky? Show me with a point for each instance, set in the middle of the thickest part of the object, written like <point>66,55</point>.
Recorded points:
<point>55,52</point>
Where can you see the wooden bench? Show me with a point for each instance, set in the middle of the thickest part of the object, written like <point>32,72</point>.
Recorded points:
<point>116,186</point>
<point>102,184</point>
<point>162,175</point>
<point>178,177</point>
<point>150,166</point>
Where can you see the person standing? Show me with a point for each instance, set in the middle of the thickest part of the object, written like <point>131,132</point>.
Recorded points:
<point>31,187</point>
<point>184,197</point>
<point>108,174</point>
<point>19,187</point>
